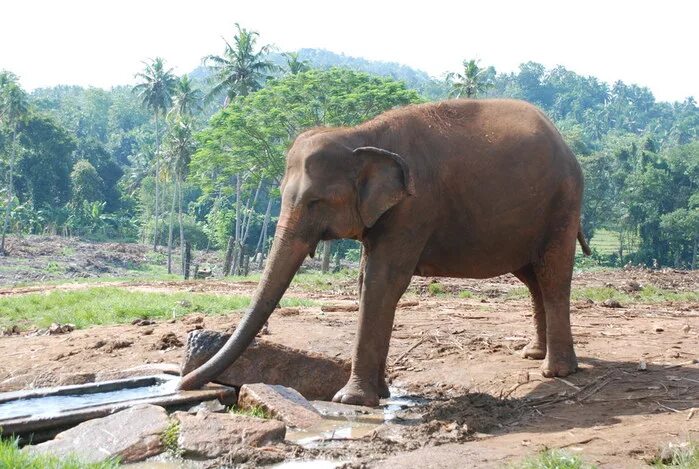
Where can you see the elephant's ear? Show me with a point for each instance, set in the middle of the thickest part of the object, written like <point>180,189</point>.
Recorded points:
<point>383,181</point>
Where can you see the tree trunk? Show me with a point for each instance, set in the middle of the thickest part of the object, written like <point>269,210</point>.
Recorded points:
<point>229,256</point>
<point>325,266</point>
<point>10,194</point>
<point>157,185</point>
<point>179,220</point>
<point>187,260</point>
<point>169,237</point>
<point>234,267</point>
<point>694,253</point>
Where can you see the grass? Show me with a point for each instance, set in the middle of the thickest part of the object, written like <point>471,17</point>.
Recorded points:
<point>255,411</point>
<point>649,294</point>
<point>435,289</point>
<point>684,456</point>
<point>170,439</point>
<point>111,305</point>
<point>465,294</point>
<point>553,459</point>
<point>11,457</point>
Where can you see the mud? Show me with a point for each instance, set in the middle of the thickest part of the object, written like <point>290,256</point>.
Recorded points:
<point>634,393</point>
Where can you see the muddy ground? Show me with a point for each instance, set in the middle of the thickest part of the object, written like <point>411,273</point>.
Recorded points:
<point>634,393</point>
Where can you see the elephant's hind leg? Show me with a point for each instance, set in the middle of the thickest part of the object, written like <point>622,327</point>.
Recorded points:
<point>554,273</point>
<point>536,349</point>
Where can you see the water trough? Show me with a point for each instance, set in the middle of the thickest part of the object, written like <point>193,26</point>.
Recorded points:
<point>39,414</point>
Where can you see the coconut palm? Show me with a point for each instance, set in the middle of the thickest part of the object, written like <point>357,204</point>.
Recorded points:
<point>242,68</point>
<point>188,98</point>
<point>294,65</point>
<point>13,110</point>
<point>470,83</point>
<point>179,149</point>
<point>156,90</point>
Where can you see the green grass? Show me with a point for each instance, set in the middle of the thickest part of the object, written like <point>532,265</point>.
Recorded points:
<point>649,294</point>
<point>681,456</point>
<point>553,459</point>
<point>436,288</point>
<point>11,457</point>
<point>255,411</point>
<point>465,294</point>
<point>170,438</point>
<point>111,305</point>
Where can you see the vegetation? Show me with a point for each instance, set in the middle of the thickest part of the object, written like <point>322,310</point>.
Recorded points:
<point>170,438</point>
<point>111,305</point>
<point>682,456</point>
<point>554,459</point>
<point>255,411</point>
<point>199,158</point>
<point>11,456</point>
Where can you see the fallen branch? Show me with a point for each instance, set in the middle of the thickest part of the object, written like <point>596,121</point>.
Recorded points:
<point>404,354</point>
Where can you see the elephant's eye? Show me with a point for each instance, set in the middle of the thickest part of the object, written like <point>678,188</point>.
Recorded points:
<point>312,203</point>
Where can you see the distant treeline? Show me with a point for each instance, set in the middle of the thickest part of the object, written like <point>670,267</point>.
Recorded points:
<point>198,158</point>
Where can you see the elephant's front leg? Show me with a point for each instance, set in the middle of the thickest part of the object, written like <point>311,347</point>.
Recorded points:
<point>386,276</point>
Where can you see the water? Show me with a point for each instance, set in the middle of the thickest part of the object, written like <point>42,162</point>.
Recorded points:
<point>49,406</point>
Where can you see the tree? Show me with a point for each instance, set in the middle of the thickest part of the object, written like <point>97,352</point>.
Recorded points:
<point>247,141</point>
<point>472,82</point>
<point>155,90</point>
<point>294,65</point>
<point>187,98</point>
<point>242,68</point>
<point>13,110</point>
<point>180,145</point>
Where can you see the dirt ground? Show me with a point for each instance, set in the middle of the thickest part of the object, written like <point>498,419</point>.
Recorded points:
<point>635,391</point>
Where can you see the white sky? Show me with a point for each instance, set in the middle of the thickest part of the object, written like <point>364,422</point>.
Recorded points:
<point>102,42</point>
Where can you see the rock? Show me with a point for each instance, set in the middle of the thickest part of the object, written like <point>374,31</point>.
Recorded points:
<point>285,404</point>
<point>288,312</point>
<point>632,286</point>
<point>313,375</point>
<point>658,328</point>
<point>10,330</point>
<point>611,303</point>
<point>642,366</point>
<point>208,406</point>
<point>210,435</point>
<point>132,435</point>
<point>168,341</point>
<point>140,370</point>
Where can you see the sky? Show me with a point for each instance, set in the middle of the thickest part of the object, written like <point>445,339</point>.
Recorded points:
<point>103,42</point>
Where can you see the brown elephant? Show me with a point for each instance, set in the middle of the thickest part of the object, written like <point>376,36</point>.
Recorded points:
<point>461,188</point>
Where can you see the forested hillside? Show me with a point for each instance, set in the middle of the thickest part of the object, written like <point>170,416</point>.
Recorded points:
<point>198,158</point>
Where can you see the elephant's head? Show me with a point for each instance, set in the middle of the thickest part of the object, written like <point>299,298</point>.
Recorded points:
<point>334,187</point>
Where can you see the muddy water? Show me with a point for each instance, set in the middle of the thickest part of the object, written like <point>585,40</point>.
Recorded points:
<point>55,405</point>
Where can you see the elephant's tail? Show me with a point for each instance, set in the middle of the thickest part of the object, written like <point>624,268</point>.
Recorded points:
<point>583,243</point>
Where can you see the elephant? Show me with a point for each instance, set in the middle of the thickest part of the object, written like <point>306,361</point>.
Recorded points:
<point>460,188</point>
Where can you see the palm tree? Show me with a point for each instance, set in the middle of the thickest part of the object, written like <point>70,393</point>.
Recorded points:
<point>179,148</point>
<point>242,68</point>
<point>13,110</point>
<point>188,98</point>
<point>155,89</point>
<point>470,83</point>
<point>294,65</point>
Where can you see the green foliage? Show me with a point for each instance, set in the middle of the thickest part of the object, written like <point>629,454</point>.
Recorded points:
<point>435,288</point>
<point>465,294</point>
<point>254,411</point>
<point>170,438</point>
<point>553,459</point>
<point>12,457</point>
<point>110,305</point>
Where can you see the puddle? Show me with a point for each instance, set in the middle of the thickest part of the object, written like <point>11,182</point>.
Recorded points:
<point>342,422</point>
<point>54,405</point>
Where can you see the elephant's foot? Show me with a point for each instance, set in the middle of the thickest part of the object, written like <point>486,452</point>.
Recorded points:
<point>356,392</point>
<point>383,390</point>
<point>559,364</point>
<point>535,350</point>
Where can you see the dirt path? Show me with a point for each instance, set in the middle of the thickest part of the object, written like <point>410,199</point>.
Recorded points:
<point>463,354</point>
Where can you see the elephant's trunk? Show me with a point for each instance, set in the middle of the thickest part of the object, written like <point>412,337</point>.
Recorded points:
<point>288,252</point>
